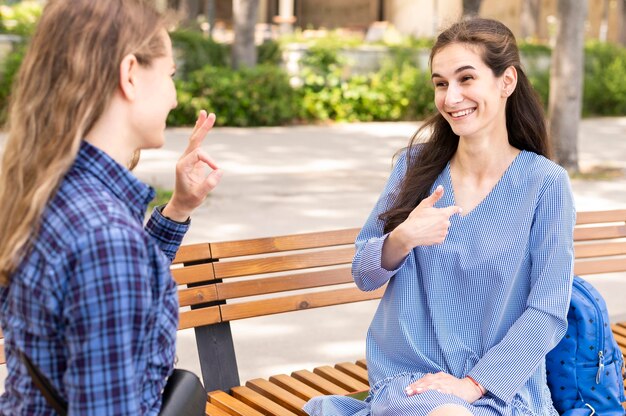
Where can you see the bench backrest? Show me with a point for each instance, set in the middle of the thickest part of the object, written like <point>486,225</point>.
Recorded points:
<point>312,270</point>
<point>225,281</point>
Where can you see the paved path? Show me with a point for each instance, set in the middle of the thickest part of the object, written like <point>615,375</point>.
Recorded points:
<point>283,180</point>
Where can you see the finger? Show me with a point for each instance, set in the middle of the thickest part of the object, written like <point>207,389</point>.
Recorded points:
<point>431,200</point>
<point>201,117</point>
<point>203,126</point>
<point>202,156</point>
<point>212,180</point>
<point>451,210</point>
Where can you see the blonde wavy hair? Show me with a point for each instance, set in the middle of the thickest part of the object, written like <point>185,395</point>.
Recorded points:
<point>66,81</point>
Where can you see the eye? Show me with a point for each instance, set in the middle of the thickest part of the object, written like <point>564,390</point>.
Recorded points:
<point>465,78</point>
<point>440,84</point>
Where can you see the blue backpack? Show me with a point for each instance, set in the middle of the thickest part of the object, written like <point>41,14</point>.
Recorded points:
<point>585,370</point>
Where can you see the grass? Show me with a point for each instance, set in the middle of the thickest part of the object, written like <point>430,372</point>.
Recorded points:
<point>161,198</point>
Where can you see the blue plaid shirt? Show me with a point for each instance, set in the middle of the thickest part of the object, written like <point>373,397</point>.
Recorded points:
<point>93,302</point>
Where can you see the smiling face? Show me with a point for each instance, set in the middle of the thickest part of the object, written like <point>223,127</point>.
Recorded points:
<point>467,93</point>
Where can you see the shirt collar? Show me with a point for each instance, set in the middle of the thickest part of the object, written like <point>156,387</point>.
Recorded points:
<point>116,178</point>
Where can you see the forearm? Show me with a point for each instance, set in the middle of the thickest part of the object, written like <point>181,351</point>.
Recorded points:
<point>394,251</point>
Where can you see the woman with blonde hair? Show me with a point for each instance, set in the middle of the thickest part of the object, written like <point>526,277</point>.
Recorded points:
<point>85,288</point>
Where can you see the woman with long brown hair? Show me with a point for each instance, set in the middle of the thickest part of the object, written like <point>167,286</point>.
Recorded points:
<point>473,237</point>
<point>85,288</point>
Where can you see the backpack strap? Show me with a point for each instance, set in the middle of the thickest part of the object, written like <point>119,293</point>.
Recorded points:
<point>44,385</point>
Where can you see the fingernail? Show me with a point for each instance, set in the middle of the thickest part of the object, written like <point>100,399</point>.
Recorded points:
<point>408,391</point>
<point>439,188</point>
<point>460,210</point>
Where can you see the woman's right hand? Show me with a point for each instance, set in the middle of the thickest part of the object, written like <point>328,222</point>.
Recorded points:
<point>425,226</point>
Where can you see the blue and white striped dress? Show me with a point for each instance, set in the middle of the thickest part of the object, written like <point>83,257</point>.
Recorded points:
<point>489,302</point>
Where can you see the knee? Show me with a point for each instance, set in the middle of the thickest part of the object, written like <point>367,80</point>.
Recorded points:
<point>450,410</point>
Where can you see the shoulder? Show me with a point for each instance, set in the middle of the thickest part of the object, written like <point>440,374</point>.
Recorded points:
<point>81,208</point>
<point>542,173</point>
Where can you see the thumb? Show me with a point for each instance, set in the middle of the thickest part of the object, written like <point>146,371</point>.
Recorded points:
<point>433,198</point>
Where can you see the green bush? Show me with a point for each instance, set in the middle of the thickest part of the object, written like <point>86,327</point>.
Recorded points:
<point>194,51</point>
<point>604,87</point>
<point>20,18</point>
<point>390,94</point>
<point>259,96</point>
<point>269,52</point>
<point>8,69</point>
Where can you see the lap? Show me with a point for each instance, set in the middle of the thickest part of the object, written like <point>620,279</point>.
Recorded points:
<point>390,399</point>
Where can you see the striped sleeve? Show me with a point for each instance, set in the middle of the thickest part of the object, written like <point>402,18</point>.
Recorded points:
<point>506,367</point>
<point>367,269</point>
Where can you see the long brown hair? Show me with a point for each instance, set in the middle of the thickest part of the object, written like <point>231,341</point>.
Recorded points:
<point>65,82</point>
<point>524,115</point>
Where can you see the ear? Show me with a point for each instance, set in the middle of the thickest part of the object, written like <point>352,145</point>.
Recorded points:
<point>128,74</point>
<point>509,81</point>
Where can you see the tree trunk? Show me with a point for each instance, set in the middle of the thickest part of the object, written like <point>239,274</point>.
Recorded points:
<point>244,18</point>
<point>622,37</point>
<point>566,81</point>
<point>471,7</point>
<point>530,18</point>
<point>210,15</point>
<point>189,9</point>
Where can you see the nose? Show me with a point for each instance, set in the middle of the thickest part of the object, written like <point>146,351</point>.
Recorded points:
<point>453,95</point>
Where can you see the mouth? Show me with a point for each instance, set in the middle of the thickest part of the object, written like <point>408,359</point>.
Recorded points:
<point>462,113</point>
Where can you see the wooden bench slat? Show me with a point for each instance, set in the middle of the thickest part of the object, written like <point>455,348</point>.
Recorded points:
<point>277,394</point>
<point>231,312</point>
<point>194,274</point>
<point>353,371</point>
<point>600,249</point>
<point>231,405</point>
<point>192,252</point>
<point>621,340</point>
<point>283,243</point>
<point>594,217</point>
<point>342,379</point>
<point>362,363</point>
<point>233,290</point>
<point>296,387</point>
<point>196,295</point>
<point>259,402</point>
<point>212,410</point>
<point>274,264</point>
<point>199,317</point>
<point>318,382</point>
<point>588,267</point>
<point>618,329</point>
<point>599,233</point>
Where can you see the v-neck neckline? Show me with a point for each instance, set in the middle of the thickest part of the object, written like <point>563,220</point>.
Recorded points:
<point>483,201</point>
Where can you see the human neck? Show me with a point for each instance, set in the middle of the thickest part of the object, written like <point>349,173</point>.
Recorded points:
<point>111,135</point>
<point>482,157</point>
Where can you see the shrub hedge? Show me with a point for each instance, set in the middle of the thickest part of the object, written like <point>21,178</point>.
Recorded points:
<point>326,90</point>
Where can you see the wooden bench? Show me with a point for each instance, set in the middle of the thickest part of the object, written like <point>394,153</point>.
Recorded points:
<point>227,281</point>
<point>305,271</point>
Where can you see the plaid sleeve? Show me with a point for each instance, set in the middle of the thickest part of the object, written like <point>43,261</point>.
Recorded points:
<point>106,308</point>
<point>167,233</point>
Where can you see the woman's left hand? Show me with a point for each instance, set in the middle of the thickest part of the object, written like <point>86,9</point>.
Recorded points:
<point>445,383</point>
<point>193,183</point>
